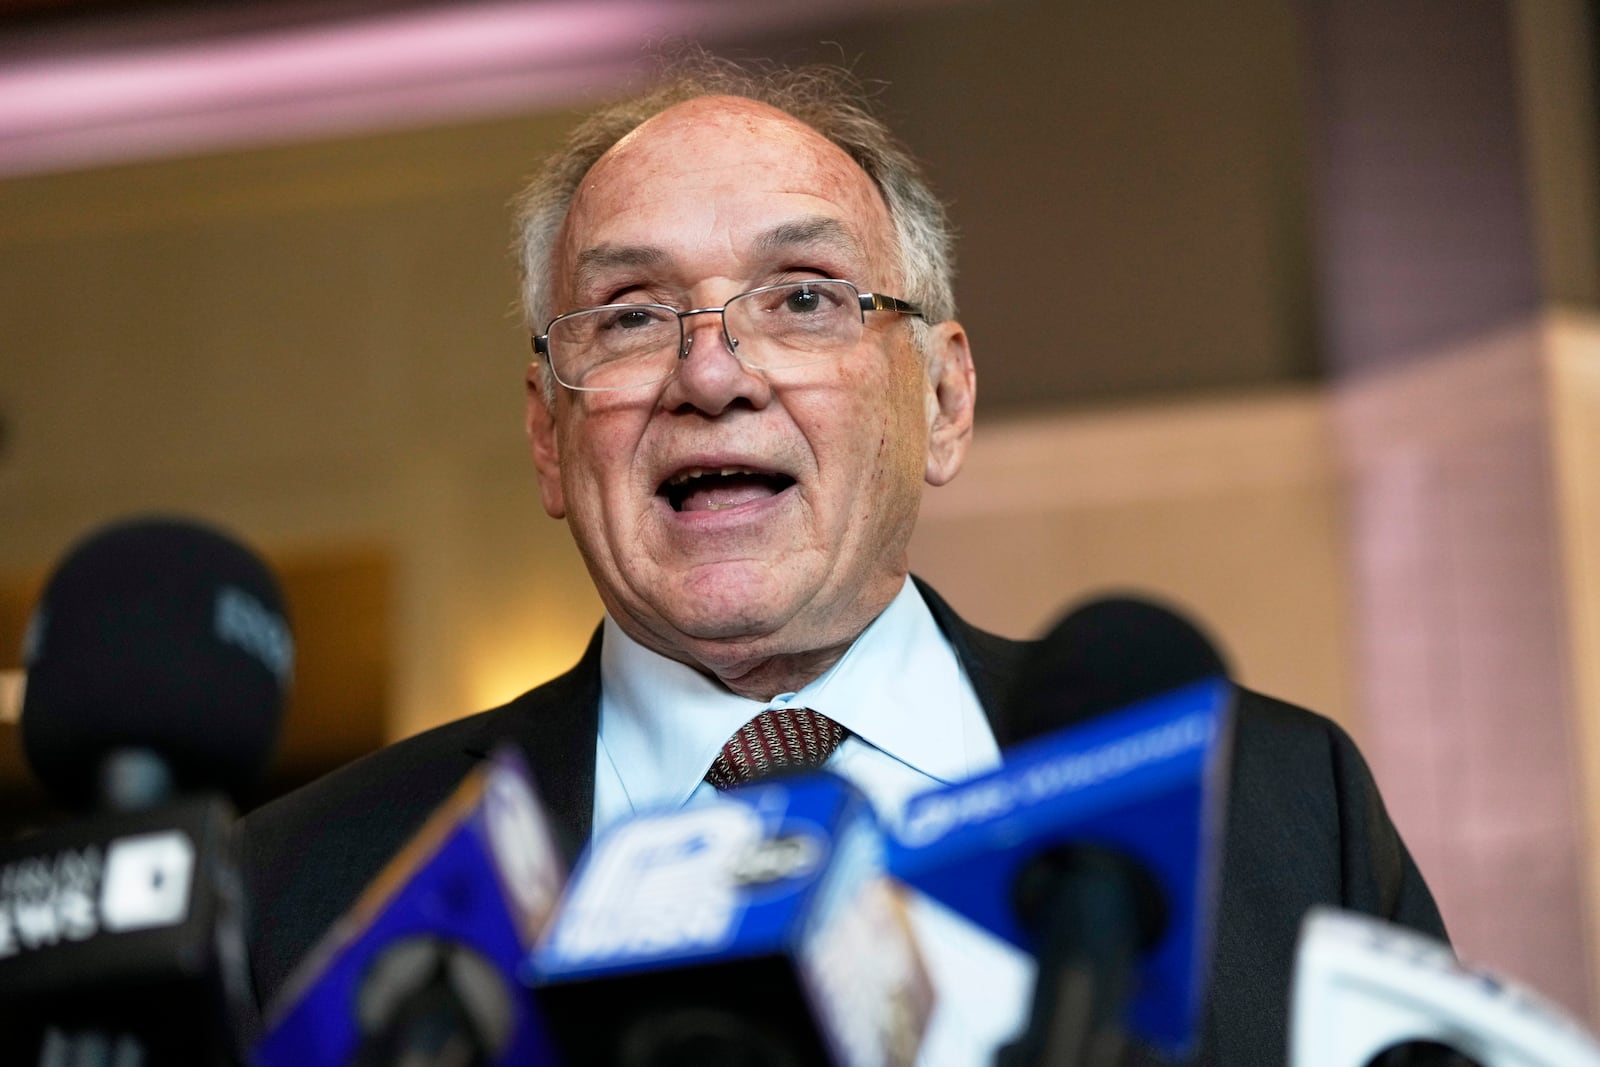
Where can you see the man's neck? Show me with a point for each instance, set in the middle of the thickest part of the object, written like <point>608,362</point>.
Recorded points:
<point>763,667</point>
<point>769,677</point>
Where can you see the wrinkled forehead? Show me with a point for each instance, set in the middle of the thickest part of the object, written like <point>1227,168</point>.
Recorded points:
<point>708,175</point>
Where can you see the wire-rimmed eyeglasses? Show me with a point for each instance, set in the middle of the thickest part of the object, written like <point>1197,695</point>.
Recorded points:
<point>775,327</point>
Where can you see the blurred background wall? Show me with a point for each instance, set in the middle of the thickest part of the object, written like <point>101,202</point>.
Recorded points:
<point>1283,311</point>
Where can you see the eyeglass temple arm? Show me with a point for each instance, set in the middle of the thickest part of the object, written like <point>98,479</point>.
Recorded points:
<point>878,302</point>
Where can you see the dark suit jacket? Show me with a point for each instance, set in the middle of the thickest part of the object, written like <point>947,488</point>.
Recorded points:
<point>1305,826</point>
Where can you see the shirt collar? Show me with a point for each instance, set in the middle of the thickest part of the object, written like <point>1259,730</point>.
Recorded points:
<point>898,687</point>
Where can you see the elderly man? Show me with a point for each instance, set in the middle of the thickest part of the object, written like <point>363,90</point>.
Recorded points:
<point>747,367</point>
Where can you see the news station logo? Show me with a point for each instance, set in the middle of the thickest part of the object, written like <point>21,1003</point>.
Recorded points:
<point>138,882</point>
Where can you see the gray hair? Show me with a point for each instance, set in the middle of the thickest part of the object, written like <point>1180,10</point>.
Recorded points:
<point>828,99</point>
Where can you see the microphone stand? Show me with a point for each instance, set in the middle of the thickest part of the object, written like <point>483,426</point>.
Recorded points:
<point>1093,911</point>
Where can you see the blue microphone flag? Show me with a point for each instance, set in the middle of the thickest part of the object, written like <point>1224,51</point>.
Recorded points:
<point>1147,782</point>
<point>460,906</point>
<point>766,912</point>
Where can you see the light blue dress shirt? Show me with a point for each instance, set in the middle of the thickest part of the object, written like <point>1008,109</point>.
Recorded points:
<point>915,723</point>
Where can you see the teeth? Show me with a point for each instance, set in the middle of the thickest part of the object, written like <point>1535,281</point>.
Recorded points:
<point>701,472</point>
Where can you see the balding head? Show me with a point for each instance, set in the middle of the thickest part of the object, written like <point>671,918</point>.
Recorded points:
<point>826,99</point>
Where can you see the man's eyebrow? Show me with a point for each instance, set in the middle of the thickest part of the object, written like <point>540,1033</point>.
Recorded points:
<point>817,230</point>
<point>593,262</point>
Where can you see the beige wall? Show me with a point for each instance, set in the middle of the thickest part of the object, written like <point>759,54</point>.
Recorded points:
<point>1572,348</point>
<point>315,347</point>
<point>1228,506</point>
<point>1460,651</point>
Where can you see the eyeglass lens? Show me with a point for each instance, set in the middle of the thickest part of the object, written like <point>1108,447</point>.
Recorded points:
<point>772,328</point>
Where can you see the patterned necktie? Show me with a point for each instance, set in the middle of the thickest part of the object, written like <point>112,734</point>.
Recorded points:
<point>781,739</point>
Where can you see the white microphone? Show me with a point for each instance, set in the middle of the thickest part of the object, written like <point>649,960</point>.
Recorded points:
<point>1363,986</point>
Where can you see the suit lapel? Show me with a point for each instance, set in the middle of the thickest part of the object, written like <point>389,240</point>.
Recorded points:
<point>555,725</point>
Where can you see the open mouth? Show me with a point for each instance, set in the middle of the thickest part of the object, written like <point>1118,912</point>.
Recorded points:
<point>715,489</point>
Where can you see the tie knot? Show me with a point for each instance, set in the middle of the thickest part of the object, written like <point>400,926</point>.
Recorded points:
<point>779,739</point>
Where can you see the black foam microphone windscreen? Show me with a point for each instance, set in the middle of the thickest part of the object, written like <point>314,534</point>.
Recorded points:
<point>1105,654</point>
<point>156,634</point>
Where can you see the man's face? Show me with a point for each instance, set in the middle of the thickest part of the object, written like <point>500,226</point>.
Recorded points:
<point>729,516</point>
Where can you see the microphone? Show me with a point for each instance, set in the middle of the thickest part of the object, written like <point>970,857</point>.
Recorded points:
<point>1105,654</point>
<point>157,662</point>
<point>755,929</point>
<point>1096,845</point>
<point>1363,986</point>
<point>423,969</point>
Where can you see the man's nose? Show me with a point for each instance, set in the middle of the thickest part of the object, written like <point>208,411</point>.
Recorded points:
<point>710,377</point>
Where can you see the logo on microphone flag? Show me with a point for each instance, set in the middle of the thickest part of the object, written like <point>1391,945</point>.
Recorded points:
<point>763,914</point>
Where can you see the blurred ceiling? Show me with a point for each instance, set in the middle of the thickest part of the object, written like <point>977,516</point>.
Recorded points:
<point>90,82</point>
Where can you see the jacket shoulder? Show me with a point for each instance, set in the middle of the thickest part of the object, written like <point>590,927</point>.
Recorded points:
<point>308,855</point>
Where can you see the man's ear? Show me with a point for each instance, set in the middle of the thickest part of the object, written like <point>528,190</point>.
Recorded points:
<point>541,423</point>
<point>953,390</point>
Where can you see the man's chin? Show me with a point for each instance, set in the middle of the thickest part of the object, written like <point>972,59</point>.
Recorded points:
<point>738,618</point>
<point>724,598</point>
<point>759,630</point>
